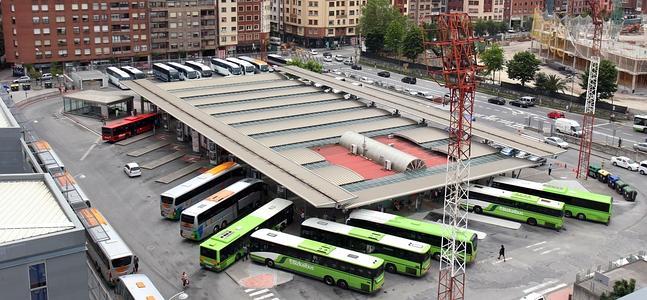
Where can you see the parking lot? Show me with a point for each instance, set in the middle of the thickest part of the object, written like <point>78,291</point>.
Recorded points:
<point>538,259</point>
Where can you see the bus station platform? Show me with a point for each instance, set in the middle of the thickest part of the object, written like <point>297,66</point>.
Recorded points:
<point>136,138</point>
<point>162,160</point>
<point>149,148</point>
<point>180,173</point>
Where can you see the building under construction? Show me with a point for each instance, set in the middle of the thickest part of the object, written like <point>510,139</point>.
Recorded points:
<point>567,41</point>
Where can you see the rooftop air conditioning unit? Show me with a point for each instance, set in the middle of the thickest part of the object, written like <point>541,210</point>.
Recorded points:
<point>387,165</point>
<point>390,136</point>
<point>353,149</point>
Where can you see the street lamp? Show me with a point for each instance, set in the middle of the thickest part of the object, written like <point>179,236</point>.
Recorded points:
<point>181,295</point>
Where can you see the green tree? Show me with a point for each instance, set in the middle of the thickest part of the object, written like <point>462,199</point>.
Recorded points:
<point>493,59</point>
<point>413,43</point>
<point>32,72</point>
<point>395,35</point>
<point>310,64</point>
<point>607,79</point>
<point>620,288</point>
<point>56,69</point>
<point>480,27</point>
<point>523,67</point>
<point>375,19</point>
<point>374,42</point>
<point>550,83</point>
<point>503,27</point>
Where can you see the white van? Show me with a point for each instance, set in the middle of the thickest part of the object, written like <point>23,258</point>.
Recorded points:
<point>567,126</point>
<point>643,167</point>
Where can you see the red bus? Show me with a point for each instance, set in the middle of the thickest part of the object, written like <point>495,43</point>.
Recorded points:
<point>127,127</point>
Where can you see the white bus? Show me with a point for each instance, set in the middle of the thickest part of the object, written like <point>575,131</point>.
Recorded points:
<point>204,70</point>
<point>134,72</point>
<point>72,191</point>
<point>186,73</point>
<point>108,253</point>
<point>216,211</point>
<point>277,59</point>
<point>115,75</point>
<point>224,67</point>
<point>47,158</point>
<point>248,69</point>
<point>165,73</point>
<point>181,197</point>
<point>260,65</point>
<point>136,287</point>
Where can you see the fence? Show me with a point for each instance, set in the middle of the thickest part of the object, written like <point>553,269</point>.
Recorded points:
<point>96,286</point>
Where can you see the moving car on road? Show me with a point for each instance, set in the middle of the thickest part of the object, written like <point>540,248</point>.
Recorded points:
<point>624,162</point>
<point>366,80</point>
<point>409,80</point>
<point>567,126</point>
<point>22,79</point>
<point>555,114</point>
<point>556,141</point>
<point>497,100</point>
<point>313,52</point>
<point>356,67</point>
<point>640,147</point>
<point>385,74</point>
<point>339,58</point>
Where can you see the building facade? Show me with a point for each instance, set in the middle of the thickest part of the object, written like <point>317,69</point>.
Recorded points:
<point>485,9</point>
<point>519,12</point>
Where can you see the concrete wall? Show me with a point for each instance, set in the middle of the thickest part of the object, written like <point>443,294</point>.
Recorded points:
<point>11,156</point>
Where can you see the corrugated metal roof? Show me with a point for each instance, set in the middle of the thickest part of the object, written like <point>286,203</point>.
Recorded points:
<point>100,97</point>
<point>6,118</point>
<point>283,112</point>
<point>302,156</point>
<point>217,81</point>
<point>249,105</point>
<point>478,149</point>
<point>243,87</point>
<point>422,134</point>
<point>252,95</point>
<point>311,121</point>
<point>329,132</point>
<point>29,209</point>
<point>338,175</point>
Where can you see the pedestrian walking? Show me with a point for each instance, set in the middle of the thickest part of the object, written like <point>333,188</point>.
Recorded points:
<point>136,260</point>
<point>502,253</point>
<point>185,280</point>
<point>245,252</point>
<point>619,142</point>
<point>550,168</point>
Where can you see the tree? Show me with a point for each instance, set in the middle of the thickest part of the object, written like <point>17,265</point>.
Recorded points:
<point>56,69</point>
<point>523,67</point>
<point>310,64</point>
<point>32,72</point>
<point>374,42</point>
<point>480,27</point>
<point>395,35</point>
<point>413,44</point>
<point>550,83</point>
<point>375,19</point>
<point>620,288</point>
<point>493,59</point>
<point>607,79</point>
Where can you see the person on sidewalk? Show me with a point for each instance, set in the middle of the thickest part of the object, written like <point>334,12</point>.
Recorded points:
<point>501,253</point>
<point>185,280</point>
<point>245,253</point>
<point>550,168</point>
<point>619,142</point>
<point>136,261</point>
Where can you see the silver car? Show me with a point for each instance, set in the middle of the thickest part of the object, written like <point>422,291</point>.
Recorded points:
<point>556,141</point>
<point>640,147</point>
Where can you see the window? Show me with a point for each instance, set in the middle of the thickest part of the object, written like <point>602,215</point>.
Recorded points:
<point>233,19</point>
<point>60,19</point>
<point>44,7</point>
<point>34,8</point>
<point>38,279</point>
<point>45,30</point>
<point>75,6</point>
<point>84,6</point>
<point>59,7</point>
<point>45,20</point>
<point>35,20</point>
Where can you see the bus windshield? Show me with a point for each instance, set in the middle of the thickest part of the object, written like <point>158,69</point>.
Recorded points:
<point>122,261</point>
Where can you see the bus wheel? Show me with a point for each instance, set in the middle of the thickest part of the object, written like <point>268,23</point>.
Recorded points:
<point>390,268</point>
<point>328,280</point>
<point>224,224</point>
<point>478,210</point>
<point>269,263</point>
<point>531,222</point>
<point>342,284</point>
<point>581,217</point>
<point>568,214</point>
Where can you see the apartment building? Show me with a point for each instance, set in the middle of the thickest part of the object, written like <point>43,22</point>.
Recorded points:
<point>576,7</point>
<point>42,31</point>
<point>485,9</point>
<point>321,23</point>
<point>254,18</point>
<point>421,10</point>
<point>518,12</point>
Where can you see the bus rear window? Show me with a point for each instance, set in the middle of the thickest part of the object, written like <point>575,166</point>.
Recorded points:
<point>106,131</point>
<point>187,218</point>
<point>208,253</point>
<point>122,261</point>
<point>167,200</point>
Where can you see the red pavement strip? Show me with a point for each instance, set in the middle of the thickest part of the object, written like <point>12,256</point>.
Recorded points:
<point>560,294</point>
<point>262,281</point>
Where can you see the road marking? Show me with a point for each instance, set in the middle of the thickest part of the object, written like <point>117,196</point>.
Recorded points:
<point>90,149</point>
<point>537,249</point>
<point>549,251</point>
<point>536,244</point>
<point>501,260</point>
<point>264,296</point>
<point>548,290</point>
<point>259,292</point>
<point>536,287</point>
<point>249,290</point>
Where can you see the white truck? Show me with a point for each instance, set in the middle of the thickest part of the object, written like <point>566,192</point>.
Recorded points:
<point>567,126</point>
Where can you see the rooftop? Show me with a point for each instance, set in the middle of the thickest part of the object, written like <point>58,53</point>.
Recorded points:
<point>6,118</point>
<point>99,97</point>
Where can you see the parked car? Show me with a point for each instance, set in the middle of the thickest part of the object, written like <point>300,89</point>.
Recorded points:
<point>497,100</point>
<point>327,54</point>
<point>132,169</point>
<point>556,114</point>
<point>340,78</point>
<point>556,141</point>
<point>523,102</point>
<point>642,169</point>
<point>366,80</point>
<point>22,79</point>
<point>348,62</point>
<point>522,155</point>
<point>313,52</point>
<point>640,147</point>
<point>385,74</point>
<point>356,67</point>
<point>327,58</point>
<point>46,76</point>
<point>624,162</point>
<point>409,80</point>
<point>537,159</point>
<point>567,126</point>
<point>339,58</point>
<point>507,151</point>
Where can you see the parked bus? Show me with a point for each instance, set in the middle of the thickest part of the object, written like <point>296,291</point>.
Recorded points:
<point>248,69</point>
<point>129,126</point>
<point>186,194</point>
<point>580,204</point>
<point>72,191</point>
<point>108,253</point>
<point>220,209</point>
<point>116,75</point>
<point>47,158</point>
<point>278,59</point>
<point>165,73</point>
<point>225,68</point>
<point>422,231</point>
<point>400,255</point>
<point>203,69</point>
<point>134,72</point>
<point>186,73</point>
<point>640,123</point>
<point>136,287</point>
<point>226,247</point>
<point>526,208</point>
<point>334,265</point>
<point>261,66</point>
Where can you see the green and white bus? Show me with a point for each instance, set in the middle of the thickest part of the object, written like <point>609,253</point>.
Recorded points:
<point>400,255</point>
<point>422,231</point>
<point>334,265</point>
<point>640,123</point>
<point>580,204</point>
<point>226,247</point>
<point>515,206</point>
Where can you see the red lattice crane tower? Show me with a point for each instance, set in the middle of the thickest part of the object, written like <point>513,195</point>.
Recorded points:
<point>450,41</point>
<point>591,92</point>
